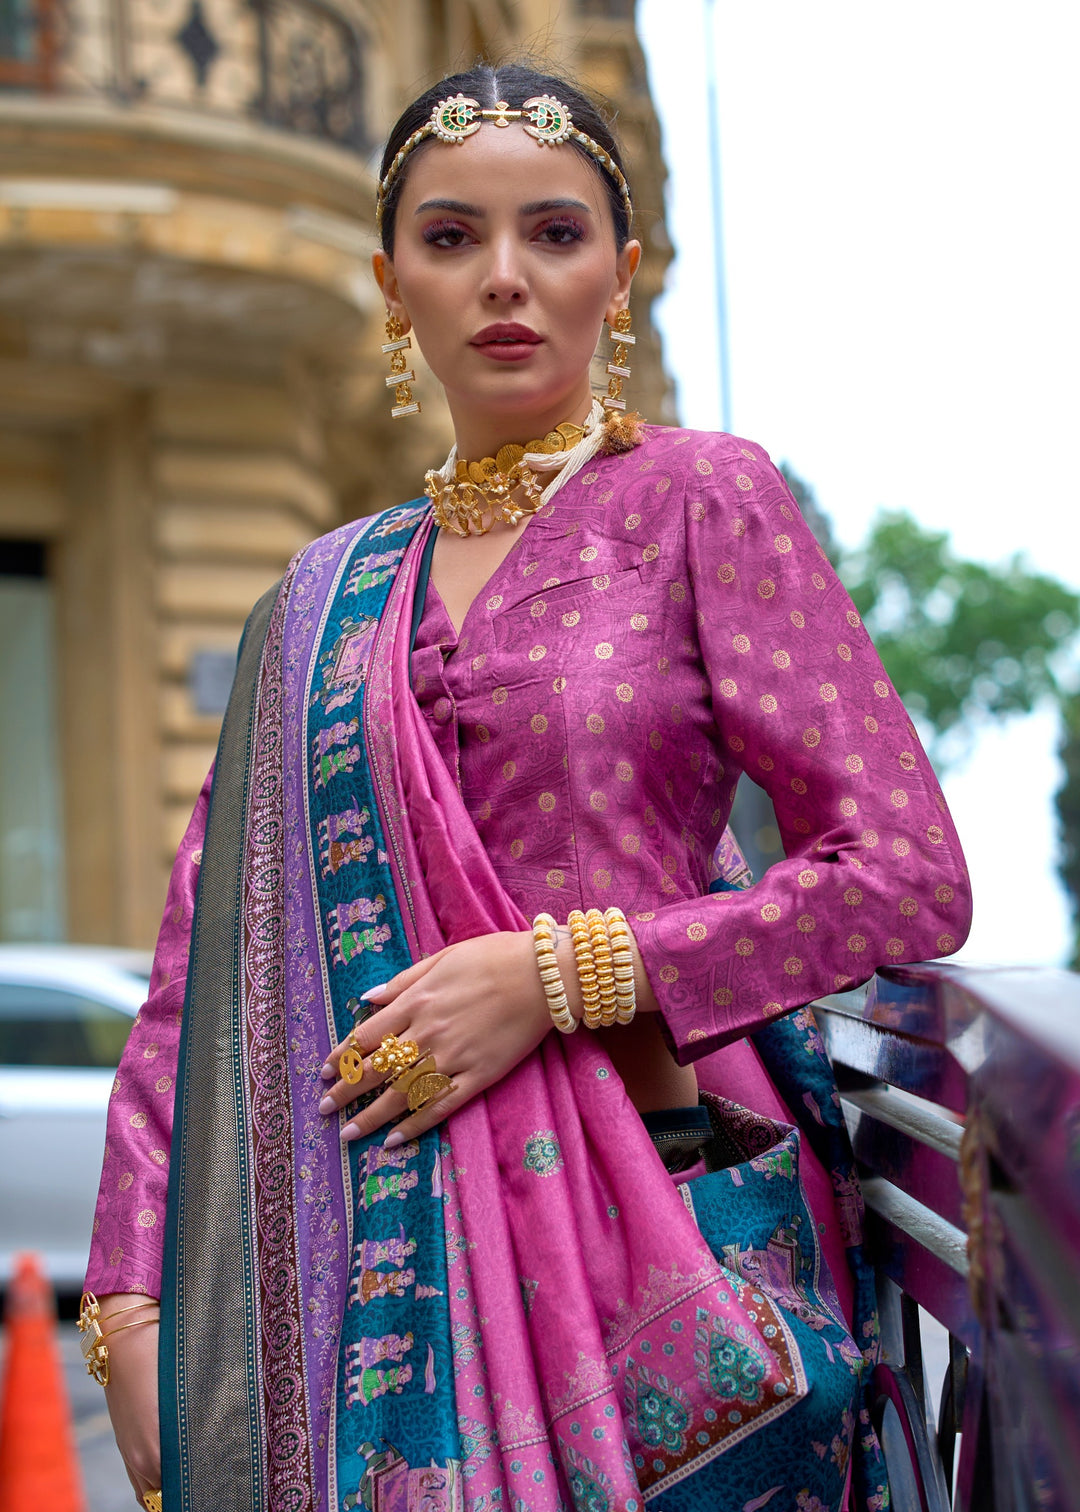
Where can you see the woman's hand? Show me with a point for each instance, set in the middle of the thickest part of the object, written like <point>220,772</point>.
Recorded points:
<point>477,1008</point>
<point>132,1395</point>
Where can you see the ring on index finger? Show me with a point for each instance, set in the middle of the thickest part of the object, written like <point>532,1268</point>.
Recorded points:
<point>351,1065</point>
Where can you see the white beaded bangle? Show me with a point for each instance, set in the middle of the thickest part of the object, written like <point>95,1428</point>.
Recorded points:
<point>543,928</point>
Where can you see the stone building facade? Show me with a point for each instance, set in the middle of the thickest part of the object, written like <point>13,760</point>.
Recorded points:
<point>190,378</point>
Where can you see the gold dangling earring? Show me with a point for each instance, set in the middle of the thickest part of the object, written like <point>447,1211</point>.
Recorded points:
<point>619,333</point>
<point>401,375</point>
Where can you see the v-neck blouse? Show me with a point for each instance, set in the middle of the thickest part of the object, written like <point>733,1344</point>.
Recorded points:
<point>665,623</point>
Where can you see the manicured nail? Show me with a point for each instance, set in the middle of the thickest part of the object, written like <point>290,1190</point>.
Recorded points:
<point>365,997</point>
<point>393,1139</point>
<point>327,1105</point>
<point>350,1131</point>
<point>328,1072</point>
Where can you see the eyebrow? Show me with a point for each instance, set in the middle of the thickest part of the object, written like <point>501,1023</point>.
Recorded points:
<point>535,207</point>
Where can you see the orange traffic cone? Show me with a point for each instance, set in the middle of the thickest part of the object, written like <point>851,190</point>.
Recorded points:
<point>38,1464</point>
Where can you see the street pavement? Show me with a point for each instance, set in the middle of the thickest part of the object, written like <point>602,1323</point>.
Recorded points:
<point>104,1478</point>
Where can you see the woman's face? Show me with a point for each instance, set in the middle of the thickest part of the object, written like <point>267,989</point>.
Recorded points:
<point>505,267</point>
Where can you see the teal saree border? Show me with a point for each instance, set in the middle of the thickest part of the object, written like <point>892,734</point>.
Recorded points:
<point>394,1413</point>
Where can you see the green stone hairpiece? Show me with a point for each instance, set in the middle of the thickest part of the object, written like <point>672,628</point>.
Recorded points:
<point>548,120</point>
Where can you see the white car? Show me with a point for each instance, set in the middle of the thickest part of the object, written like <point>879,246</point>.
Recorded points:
<point>65,1015</point>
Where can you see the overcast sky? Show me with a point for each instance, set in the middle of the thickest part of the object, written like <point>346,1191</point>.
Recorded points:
<point>900,219</point>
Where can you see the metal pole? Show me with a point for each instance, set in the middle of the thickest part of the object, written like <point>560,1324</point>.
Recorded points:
<point>717,217</point>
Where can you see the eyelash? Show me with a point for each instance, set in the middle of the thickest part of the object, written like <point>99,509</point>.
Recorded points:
<point>574,232</point>
<point>438,229</point>
<point>568,231</point>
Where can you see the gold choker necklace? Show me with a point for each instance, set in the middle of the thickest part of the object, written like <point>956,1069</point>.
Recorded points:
<point>481,494</point>
<point>469,498</point>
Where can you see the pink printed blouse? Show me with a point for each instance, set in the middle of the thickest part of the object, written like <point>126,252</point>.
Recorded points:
<point>666,623</point>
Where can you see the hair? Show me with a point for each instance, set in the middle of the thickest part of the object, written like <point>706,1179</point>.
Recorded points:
<point>512,83</point>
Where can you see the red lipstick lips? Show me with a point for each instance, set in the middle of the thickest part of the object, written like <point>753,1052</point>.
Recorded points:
<point>506,341</point>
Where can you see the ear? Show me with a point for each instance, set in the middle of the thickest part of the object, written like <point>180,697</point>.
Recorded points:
<point>626,265</point>
<point>386,279</point>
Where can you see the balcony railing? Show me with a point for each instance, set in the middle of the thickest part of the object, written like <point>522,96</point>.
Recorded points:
<point>297,65</point>
<point>961,1090</point>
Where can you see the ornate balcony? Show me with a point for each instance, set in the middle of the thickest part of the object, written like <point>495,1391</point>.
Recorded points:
<point>295,65</point>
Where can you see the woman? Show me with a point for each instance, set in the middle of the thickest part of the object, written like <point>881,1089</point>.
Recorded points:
<point>498,1295</point>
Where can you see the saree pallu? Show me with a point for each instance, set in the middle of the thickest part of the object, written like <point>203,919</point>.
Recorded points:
<point>518,1310</point>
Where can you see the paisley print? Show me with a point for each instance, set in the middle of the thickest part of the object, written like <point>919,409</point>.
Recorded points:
<point>728,1360</point>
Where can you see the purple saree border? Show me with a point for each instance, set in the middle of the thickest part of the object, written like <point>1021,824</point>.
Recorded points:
<point>287,1443</point>
<point>324,1220</point>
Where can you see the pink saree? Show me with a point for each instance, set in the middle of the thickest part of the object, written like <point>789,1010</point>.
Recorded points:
<point>582,1261</point>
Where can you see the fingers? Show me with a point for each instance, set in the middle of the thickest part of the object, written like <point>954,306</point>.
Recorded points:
<point>367,1034</point>
<point>392,1104</point>
<point>386,992</point>
<point>389,1106</point>
<point>437,1010</point>
<point>343,1092</point>
<point>455,1096</point>
<point>357,1076</point>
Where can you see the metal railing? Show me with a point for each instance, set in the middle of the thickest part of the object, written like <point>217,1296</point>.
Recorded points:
<point>296,65</point>
<point>961,1090</point>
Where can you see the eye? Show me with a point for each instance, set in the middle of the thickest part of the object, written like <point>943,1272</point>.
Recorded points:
<point>445,233</point>
<point>561,231</point>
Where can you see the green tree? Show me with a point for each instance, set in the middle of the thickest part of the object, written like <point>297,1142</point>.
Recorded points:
<point>964,643</point>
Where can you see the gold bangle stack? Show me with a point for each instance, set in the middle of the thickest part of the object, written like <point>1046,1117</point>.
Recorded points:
<point>623,965</point>
<point>543,930</point>
<point>93,1345</point>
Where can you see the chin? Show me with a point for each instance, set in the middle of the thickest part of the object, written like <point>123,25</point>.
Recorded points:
<point>507,399</point>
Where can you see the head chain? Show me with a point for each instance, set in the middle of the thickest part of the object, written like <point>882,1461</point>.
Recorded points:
<point>459,116</point>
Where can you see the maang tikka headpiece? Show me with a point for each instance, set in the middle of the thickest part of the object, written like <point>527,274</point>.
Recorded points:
<point>459,116</point>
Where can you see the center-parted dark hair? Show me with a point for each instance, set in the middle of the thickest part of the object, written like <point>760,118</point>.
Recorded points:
<point>512,83</point>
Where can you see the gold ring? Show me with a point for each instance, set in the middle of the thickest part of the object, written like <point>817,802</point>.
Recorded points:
<point>423,1083</point>
<point>428,1089</point>
<point>351,1065</point>
<point>152,1501</point>
<point>394,1056</point>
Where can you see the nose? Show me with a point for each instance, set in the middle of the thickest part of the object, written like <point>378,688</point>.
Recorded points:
<point>505,280</point>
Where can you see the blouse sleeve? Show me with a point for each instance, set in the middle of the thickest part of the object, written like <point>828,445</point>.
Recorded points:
<point>129,1229</point>
<point>873,874</point>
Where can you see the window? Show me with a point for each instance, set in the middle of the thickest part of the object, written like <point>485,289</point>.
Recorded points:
<point>46,1026</point>
<point>31,856</point>
<point>28,43</point>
